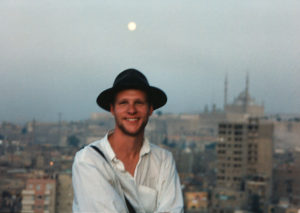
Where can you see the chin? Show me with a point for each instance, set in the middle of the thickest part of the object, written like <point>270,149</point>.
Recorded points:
<point>132,133</point>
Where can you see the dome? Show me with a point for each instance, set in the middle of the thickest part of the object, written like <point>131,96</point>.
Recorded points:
<point>244,97</point>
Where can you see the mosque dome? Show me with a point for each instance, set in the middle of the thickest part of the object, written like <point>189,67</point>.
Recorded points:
<point>244,98</point>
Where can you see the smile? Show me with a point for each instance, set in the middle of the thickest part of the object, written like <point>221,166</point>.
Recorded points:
<point>131,119</point>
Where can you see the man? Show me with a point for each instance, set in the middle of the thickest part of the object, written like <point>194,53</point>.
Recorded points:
<point>132,172</point>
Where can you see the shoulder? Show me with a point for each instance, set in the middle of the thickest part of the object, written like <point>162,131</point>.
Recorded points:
<point>161,154</point>
<point>86,153</point>
<point>164,161</point>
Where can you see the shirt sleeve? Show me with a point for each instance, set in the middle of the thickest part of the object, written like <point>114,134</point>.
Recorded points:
<point>93,189</point>
<point>170,195</point>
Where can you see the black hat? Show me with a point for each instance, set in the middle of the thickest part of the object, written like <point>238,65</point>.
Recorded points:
<point>132,79</point>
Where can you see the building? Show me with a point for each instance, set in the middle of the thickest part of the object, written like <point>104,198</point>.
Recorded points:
<point>244,166</point>
<point>64,193</point>
<point>286,181</point>
<point>243,106</point>
<point>196,202</point>
<point>39,196</point>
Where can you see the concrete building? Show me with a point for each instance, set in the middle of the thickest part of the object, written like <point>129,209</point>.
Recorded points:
<point>64,193</point>
<point>286,181</point>
<point>39,196</point>
<point>244,166</point>
<point>196,202</point>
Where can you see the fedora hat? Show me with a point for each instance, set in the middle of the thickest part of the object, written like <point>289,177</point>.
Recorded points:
<point>132,79</point>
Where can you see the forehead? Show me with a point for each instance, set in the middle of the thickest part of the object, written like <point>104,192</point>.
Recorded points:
<point>131,94</point>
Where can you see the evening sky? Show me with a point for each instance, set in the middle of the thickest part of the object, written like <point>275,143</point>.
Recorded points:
<point>57,55</point>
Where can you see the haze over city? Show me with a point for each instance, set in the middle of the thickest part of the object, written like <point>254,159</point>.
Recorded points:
<point>56,56</point>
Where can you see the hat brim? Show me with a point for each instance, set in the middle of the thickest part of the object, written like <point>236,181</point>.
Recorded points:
<point>156,96</point>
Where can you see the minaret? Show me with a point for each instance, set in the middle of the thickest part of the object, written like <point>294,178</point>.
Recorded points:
<point>225,92</point>
<point>247,83</point>
<point>246,101</point>
<point>59,129</point>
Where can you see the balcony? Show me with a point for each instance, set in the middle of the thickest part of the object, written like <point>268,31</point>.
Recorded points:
<point>27,211</point>
<point>28,192</point>
<point>47,192</point>
<point>46,202</point>
<point>27,202</point>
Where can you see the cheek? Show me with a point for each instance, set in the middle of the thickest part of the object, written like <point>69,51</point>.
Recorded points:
<point>147,111</point>
<point>119,109</point>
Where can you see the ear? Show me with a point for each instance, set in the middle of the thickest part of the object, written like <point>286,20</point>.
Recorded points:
<point>150,110</point>
<point>111,109</point>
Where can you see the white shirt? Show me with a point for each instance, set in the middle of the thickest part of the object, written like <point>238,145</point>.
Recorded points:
<point>155,186</point>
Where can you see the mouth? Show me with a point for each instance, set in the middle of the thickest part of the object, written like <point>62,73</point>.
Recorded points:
<point>131,119</point>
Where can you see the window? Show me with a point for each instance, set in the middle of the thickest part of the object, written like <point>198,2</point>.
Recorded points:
<point>38,187</point>
<point>222,126</point>
<point>222,132</point>
<point>49,186</point>
<point>238,126</point>
<point>238,133</point>
<point>237,139</point>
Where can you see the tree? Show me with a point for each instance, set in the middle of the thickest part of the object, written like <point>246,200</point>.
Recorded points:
<point>24,131</point>
<point>159,113</point>
<point>73,141</point>
<point>255,203</point>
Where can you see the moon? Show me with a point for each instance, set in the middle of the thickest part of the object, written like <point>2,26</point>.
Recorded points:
<point>131,26</point>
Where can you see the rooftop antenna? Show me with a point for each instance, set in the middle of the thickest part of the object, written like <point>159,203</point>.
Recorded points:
<point>59,128</point>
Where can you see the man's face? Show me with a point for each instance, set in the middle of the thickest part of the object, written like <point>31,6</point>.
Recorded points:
<point>131,111</point>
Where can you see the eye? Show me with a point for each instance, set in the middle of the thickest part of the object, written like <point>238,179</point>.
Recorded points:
<point>140,102</point>
<point>122,102</point>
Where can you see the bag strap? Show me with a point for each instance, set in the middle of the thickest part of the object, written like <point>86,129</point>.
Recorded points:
<point>128,204</point>
<point>100,152</point>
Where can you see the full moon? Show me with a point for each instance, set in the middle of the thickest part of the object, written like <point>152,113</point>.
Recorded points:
<point>131,26</point>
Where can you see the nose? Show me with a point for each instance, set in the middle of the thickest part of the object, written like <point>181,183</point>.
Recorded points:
<point>131,109</point>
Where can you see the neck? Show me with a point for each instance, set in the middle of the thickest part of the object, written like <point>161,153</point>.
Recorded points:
<point>125,146</point>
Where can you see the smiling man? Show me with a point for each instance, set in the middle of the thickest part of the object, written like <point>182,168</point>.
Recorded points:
<point>124,172</point>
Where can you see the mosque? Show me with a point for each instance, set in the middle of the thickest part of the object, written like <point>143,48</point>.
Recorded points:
<point>243,106</point>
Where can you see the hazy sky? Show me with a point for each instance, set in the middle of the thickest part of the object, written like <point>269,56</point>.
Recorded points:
<point>57,55</point>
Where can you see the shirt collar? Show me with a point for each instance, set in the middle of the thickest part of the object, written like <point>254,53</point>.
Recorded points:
<point>111,154</point>
<point>145,147</point>
<point>109,151</point>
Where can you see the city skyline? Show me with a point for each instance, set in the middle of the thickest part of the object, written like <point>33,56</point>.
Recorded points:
<point>56,57</point>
